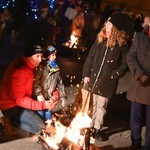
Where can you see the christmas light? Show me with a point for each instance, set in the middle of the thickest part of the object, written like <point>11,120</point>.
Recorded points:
<point>35,6</point>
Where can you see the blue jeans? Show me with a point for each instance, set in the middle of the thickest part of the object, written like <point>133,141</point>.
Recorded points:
<point>24,118</point>
<point>136,124</point>
<point>45,114</point>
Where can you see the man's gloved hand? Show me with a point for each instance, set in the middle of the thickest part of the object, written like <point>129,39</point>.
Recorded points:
<point>144,79</point>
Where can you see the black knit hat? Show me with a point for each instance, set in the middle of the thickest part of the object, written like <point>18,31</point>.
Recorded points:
<point>117,20</point>
<point>123,22</point>
<point>50,50</point>
<point>32,50</point>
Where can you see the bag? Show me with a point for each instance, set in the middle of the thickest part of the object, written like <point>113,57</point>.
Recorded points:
<point>83,102</point>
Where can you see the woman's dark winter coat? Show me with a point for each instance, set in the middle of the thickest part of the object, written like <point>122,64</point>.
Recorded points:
<point>101,65</point>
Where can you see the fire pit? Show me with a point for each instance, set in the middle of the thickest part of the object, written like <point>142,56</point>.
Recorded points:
<point>76,136</point>
<point>73,136</point>
<point>74,46</point>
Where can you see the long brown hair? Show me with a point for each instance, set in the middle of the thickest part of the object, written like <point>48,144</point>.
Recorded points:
<point>116,37</point>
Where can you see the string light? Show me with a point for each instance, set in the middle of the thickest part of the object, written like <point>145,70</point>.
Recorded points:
<point>6,3</point>
<point>34,5</point>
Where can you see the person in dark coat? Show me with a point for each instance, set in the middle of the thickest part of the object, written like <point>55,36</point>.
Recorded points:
<point>49,29</point>
<point>20,19</point>
<point>138,60</point>
<point>104,65</point>
<point>129,27</point>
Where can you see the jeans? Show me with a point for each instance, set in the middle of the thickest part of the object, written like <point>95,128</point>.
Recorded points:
<point>45,114</point>
<point>25,119</point>
<point>136,124</point>
<point>99,110</point>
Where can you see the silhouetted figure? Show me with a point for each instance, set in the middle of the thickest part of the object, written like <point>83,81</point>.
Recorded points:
<point>20,12</point>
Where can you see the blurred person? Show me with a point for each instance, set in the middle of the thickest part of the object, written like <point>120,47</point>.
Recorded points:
<point>138,21</point>
<point>53,30</point>
<point>104,65</point>
<point>108,10</point>
<point>58,16</point>
<point>70,13</point>
<point>47,80</point>
<point>92,29</point>
<point>16,102</point>
<point>44,11</point>
<point>121,7</point>
<point>65,5</point>
<point>5,18</point>
<point>141,21</point>
<point>79,2</point>
<point>20,13</point>
<point>49,29</point>
<point>138,60</point>
<point>146,21</point>
<point>130,27</point>
<point>78,25</point>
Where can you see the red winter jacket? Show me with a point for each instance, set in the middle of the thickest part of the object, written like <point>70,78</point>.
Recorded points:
<point>16,86</point>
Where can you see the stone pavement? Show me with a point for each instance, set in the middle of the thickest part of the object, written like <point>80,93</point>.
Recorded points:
<point>116,127</point>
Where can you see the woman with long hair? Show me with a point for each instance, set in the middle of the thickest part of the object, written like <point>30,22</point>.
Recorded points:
<point>104,65</point>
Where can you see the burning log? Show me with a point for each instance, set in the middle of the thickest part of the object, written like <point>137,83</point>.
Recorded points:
<point>54,141</point>
<point>65,144</point>
<point>73,137</point>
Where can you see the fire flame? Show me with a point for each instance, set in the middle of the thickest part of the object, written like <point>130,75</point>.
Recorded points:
<point>73,133</point>
<point>73,42</point>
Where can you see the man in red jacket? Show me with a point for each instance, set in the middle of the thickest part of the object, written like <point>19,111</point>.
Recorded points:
<point>16,101</point>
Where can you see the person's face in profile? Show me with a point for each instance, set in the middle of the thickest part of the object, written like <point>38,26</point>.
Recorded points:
<point>35,59</point>
<point>146,22</point>
<point>109,26</point>
<point>52,57</point>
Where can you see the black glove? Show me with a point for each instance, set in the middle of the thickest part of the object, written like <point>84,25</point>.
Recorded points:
<point>144,79</point>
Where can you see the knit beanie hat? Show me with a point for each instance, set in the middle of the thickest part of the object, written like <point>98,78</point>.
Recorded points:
<point>117,20</point>
<point>50,50</point>
<point>32,50</point>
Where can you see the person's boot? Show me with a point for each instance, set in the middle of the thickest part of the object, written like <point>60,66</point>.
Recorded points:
<point>8,127</point>
<point>98,135</point>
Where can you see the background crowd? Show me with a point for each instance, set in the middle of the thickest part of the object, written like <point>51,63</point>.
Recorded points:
<point>58,25</point>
